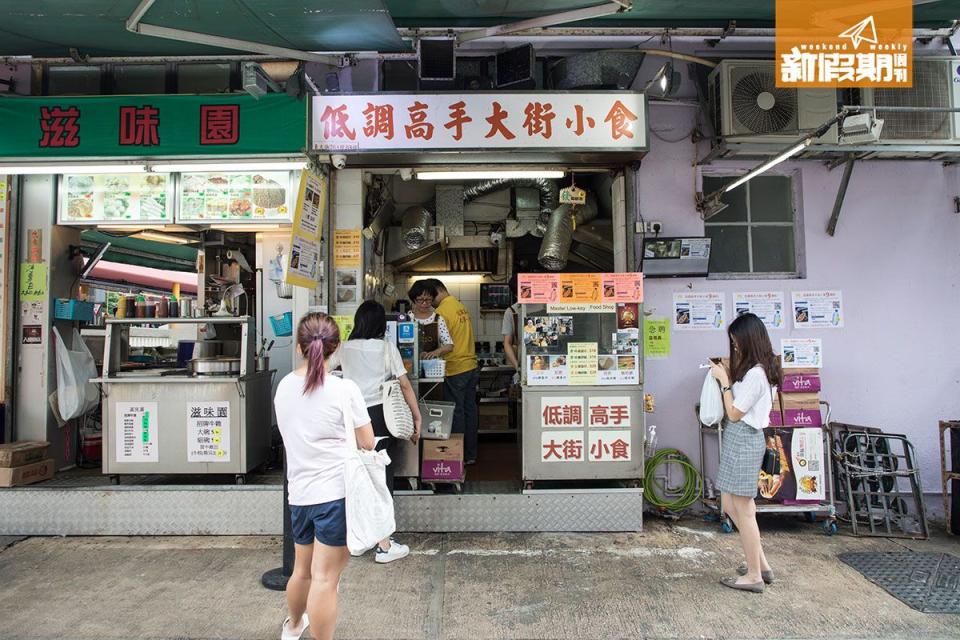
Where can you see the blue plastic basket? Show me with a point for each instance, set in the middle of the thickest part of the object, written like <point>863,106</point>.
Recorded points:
<point>282,324</point>
<point>75,310</point>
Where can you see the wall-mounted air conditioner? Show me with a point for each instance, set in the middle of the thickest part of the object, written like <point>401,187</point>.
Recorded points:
<point>936,84</point>
<point>747,106</point>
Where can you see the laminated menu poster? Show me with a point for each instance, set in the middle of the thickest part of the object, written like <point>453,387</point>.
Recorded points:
<point>208,432</point>
<point>582,362</point>
<point>699,311</point>
<point>618,369</point>
<point>127,197</point>
<point>546,369</point>
<point>580,287</point>
<point>622,287</point>
<point>234,197</point>
<point>801,353</point>
<point>311,205</point>
<point>538,288</point>
<point>808,461</point>
<point>136,429</point>
<point>817,309</point>
<point>766,305</point>
<point>304,261</point>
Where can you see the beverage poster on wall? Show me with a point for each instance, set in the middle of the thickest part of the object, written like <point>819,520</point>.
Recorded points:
<point>699,311</point>
<point>801,353</point>
<point>580,287</point>
<point>622,287</point>
<point>766,305</point>
<point>817,310</point>
<point>535,288</point>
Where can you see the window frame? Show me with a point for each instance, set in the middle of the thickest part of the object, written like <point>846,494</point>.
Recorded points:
<point>799,247</point>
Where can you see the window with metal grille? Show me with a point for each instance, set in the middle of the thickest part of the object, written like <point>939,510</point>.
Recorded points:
<point>756,235</point>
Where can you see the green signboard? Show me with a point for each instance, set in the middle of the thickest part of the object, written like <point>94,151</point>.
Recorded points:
<point>148,126</point>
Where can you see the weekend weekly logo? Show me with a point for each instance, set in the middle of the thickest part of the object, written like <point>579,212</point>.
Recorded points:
<point>822,43</point>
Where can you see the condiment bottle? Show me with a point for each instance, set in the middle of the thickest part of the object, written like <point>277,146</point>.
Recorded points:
<point>174,310</point>
<point>131,305</point>
<point>151,310</point>
<point>141,306</point>
<point>163,307</point>
<point>121,307</point>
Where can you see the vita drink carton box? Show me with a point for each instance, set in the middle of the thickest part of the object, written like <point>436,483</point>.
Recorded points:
<point>801,409</point>
<point>801,381</point>
<point>443,460</point>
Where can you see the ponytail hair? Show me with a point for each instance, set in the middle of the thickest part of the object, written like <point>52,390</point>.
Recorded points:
<point>318,337</point>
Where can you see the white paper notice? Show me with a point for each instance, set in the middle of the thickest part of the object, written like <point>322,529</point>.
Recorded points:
<point>801,353</point>
<point>561,411</point>
<point>703,311</point>
<point>136,428</point>
<point>304,254</point>
<point>806,449</point>
<point>694,248</point>
<point>610,446</point>
<point>561,446</point>
<point>817,309</point>
<point>208,432</point>
<point>766,305</point>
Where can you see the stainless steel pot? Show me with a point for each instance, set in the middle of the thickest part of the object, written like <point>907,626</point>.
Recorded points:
<point>214,366</point>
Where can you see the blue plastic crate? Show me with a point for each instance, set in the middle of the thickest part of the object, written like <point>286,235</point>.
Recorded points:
<point>75,310</point>
<point>282,324</point>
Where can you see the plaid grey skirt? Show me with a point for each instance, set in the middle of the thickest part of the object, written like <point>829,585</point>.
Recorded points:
<point>740,458</point>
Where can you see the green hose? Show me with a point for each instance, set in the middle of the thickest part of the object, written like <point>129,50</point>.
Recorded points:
<point>690,490</point>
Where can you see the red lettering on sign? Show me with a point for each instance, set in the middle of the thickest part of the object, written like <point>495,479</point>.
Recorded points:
<point>572,449</point>
<point>579,129</point>
<point>598,449</point>
<point>539,117</point>
<point>379,120</point>
<point>496,123</point>
<point>60,127</point>
<point>138,126</point>
<point>619,414</point>
<point>458,118</point>
<point>219,124</point>
<point>552,449</point>
<point>418,127</point>
<point>620,119</point>
<point>335,123</point>
<point>598,415</point>
<point>621,450</point>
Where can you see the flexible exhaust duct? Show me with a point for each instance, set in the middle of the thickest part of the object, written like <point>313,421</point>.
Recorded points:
<point>558,236</point>
<point>415,226</point>
<point>549,191</point>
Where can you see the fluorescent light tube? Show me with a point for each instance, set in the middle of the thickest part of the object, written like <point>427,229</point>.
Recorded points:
<point>162,237</point>
<point>487,175</point>
<point>792,151</point>
<point>211,167</point>
<point>247,227</point>
<point>82,169</point>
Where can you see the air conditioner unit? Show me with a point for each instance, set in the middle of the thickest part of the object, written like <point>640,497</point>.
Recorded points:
<point>747,106</point>
<point>936,83</point>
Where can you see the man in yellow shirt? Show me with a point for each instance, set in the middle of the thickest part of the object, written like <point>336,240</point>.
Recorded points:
<point>463,375</point>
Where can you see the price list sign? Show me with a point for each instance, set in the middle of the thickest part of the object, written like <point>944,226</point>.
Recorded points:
<point>208,432</point>
<point>137,432</point>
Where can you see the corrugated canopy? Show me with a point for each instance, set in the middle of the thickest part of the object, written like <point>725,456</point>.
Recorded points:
<point>140,252</point>
<point>97,27</point>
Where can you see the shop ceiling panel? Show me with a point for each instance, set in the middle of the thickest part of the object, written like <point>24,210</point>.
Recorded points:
<point>97,27</point>
<point>689,13</point>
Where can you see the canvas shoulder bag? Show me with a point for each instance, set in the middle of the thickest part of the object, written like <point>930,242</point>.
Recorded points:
<point>369,504</point>
<point>396,413</point>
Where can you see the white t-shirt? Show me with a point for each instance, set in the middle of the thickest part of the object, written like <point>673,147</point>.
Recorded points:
<point>754,397</point>
<point>362,362</point>
<point>442,330</point>
<point>314,436</point>
<point>511,322</point>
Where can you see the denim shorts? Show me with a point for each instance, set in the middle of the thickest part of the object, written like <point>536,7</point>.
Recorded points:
<point>325,522</point>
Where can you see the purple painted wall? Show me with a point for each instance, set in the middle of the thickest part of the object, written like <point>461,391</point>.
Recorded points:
<point>895,257</point>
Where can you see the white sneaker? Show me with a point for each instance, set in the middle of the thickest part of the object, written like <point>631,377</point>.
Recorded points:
<point>286,633</point>
<point>395,552</point>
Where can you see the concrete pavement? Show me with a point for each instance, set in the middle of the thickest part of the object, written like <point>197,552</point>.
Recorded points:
<point>662,584</point>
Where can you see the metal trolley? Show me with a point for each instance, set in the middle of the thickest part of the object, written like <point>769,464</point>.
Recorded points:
<point>810,511</point>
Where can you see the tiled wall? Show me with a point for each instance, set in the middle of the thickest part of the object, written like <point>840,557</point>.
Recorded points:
<point>486,326</point>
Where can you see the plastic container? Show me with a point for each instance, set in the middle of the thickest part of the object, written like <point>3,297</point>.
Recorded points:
<point>75,310</point>
<point>141,307</point>
<point>151,308</point>
<point>433,368</point>
<point>131,304</point>
<point>163,307</point>
<point>121,307</point>
<point>437,420</point>
<point>282,324</point>
<point>174,308</point>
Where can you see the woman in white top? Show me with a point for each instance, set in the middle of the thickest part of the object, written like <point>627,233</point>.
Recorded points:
<point>310,413</point>
<point>435,339</point>
<point>756,374</point>
<point>369,361</point>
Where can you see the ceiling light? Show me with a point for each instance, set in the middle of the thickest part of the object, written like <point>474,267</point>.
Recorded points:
<point>165,237</point>
<point>248,227</point>
<point>209,167</point>
<point>792,151</point>
<point>487,175</point>
<point>79,168</point>
<point>861,128</point>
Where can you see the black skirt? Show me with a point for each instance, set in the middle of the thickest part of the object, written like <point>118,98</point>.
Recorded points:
<point>390,444</point>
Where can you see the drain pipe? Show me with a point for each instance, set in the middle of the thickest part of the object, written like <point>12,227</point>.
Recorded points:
<point>558,235</point>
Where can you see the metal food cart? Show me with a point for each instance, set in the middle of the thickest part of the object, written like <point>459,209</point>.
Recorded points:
<point>210,418</point>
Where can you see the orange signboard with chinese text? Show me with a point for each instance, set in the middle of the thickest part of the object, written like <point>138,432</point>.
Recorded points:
<point>607,121</point>
<point>825,43</point>
<point>580,287</point>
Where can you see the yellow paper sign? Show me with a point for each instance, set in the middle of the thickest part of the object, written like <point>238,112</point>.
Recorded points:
<point>582,362</point>
<point>346,326</point>
<point>304,257</point>
<point>347,247</point>
<point>656,338</point>
<point>33,281</point>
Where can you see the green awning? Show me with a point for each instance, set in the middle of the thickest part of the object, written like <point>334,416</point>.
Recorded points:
<point>142,253</point>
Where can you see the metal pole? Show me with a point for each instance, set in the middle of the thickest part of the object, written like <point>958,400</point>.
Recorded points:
<point>276,579</point>
<point>841,194</point>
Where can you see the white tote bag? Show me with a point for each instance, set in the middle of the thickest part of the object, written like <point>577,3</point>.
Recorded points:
<point>711,402</point>
<point>76,395</point>
<point>396,413</point>
<point>369,504</point>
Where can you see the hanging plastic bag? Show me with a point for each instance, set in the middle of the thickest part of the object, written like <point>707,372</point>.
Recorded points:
<point>711,402</point>
<point>76,395</point>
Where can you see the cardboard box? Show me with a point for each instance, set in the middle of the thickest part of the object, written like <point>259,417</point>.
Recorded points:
<point>495,416</point>
<point>17,454</point>
<point>27,474</point>
<point>801,409</point>
<point>442,460</point>
<point>801,381</point>
<point>776,413</point>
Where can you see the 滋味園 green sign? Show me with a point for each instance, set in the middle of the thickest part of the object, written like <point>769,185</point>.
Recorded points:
<point>151,125</point>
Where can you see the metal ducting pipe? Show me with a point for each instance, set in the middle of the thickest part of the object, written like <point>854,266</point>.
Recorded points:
<point>558,236</point>
<point>549,191</point>
<point>415,226</point>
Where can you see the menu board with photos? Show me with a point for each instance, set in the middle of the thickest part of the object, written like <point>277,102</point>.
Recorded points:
<point>119,198</point>
<point>235,197</point>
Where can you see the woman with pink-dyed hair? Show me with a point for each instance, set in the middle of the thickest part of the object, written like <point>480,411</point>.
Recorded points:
<point>310,413</point>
